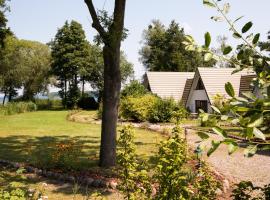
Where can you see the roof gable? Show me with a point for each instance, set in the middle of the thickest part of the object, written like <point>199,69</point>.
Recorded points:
<point>168,84</point>
<point>214,80</point>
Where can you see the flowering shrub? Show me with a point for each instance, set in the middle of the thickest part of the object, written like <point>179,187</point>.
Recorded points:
<point>63,155</point>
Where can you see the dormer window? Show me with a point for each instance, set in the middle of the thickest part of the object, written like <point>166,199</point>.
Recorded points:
<point>200,85</point>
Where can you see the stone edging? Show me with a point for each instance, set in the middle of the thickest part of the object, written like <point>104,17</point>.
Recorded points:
<point>85,181</point>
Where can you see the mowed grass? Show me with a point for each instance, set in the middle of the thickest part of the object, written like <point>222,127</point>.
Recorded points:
<point>27,137</point>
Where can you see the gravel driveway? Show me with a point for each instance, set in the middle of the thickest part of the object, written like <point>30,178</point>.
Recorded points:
<point>236,167</point>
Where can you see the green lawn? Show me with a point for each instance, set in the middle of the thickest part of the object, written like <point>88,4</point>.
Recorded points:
<point>29,136</point>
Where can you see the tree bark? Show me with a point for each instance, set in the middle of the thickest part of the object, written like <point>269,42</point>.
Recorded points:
<point>112,78</point>
<point>112,86</point>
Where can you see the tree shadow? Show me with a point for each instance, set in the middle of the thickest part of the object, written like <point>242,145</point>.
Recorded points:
<point>10,180</point>
<point>36,150</point>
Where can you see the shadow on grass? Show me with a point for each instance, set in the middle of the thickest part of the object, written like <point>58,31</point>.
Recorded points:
<point>10,180</point>
<point>43,150</point>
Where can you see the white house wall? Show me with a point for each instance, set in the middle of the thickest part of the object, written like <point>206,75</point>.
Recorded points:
<point>198,95</point>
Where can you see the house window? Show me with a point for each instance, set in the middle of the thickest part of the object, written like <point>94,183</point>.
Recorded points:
<point>200,85</point>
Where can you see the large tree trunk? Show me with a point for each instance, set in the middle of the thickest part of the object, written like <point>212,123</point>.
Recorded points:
<point>112,86</point>
<point>112,78</point>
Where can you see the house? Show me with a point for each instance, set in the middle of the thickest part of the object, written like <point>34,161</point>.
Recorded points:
<point>168,84</point>
<point>196,90</point>
<point>208,82</point>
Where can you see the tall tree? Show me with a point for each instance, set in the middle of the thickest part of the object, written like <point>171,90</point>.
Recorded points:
<point>10,68</point>
<point>163,50</point>
<point>23,64</point>
<point>111,37</point>
<point>4,31</point>
<point>70,54</point>
<point>35,59</point>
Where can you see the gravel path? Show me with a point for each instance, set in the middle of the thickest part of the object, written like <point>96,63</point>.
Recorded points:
<point>236,167</point>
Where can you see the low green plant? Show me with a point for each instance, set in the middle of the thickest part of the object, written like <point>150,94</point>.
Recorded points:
<point>12,108</point>
<point>245,190</point>
<point>205,185</point>
<point>19,191</point>
<point>172,179</point>
<point>134,180</point>
<point>48,104</point>
<point>62,155</point>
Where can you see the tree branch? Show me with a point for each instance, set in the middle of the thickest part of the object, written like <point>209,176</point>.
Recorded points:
<point>96,23</point>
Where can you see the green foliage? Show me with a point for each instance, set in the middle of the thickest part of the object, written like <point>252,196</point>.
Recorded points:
<point>205,184</point>
<point>24,64</point>
<point>71,56</point>
<point>245,190</point>
<point>87,103</point>
<point>162,110</point>
<point>134,180</point>
<point>250,111</point>
<point>172,179</point>
<point>16,190</point>
<point>4,30</point>
<point>134,89</point>
<point>96,74</point>
<point>163,49</point>
<point>19,107</point>
<point>62,155</point>
<point>137,109</point>
<point>48,104</point>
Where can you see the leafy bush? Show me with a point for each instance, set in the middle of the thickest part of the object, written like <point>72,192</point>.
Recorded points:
<point>48,104</point>
<point>221,102</point>
<point>61,155</point>
<point>134,181</point>
<point>134,89</point>
<point>205,184</point>
<point>19,107</point>
<point>87,103</point>
<point>137,108</point>
<point>172,155</point>
<point>162,111</point>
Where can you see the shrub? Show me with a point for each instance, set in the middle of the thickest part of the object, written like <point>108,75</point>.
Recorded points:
<point>162,111</point>
<point>137,108</point>
<point>172,155</point>
<point>19,107</point>
<point>87,103</point>
<point>134,181</point>
<point>134,89</point>
<point>205,184</point>
<point>62,155</point>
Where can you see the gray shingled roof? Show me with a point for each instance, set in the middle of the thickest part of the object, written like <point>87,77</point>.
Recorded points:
<point>168,84</point>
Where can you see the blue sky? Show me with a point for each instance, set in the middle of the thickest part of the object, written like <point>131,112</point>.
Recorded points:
<point>39,19</point>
